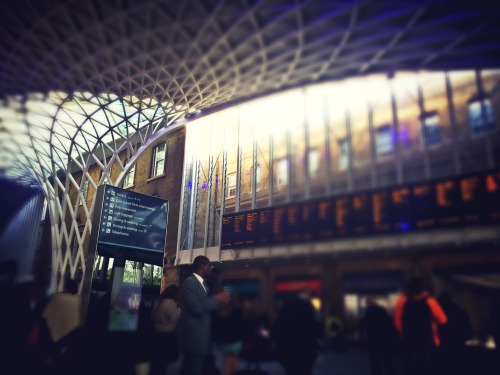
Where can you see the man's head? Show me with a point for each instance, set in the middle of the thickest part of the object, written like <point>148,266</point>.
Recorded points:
<point>415,286</point>
<point>202,266</point>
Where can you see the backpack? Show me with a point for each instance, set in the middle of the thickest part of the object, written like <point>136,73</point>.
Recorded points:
<point>417,323</point>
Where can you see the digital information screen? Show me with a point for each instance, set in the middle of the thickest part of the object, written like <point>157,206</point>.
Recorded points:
<point>493,195</point>
<point>447,198</point>
<point>294,224</point>
<point>279,224</point>
<point>423,206</point>
<point>227,232</point>
<point>401,209</point>
<point>265,226</point>
<point>471,191</point>
<point>466,200</point>
<point>252,228</point>
<point>309,217</point>
<point>361,220</point>
<point>342,214</point>
<point>325,224</point>
<point>381,214</point>
<point>239,229</point>
<point>132,220</point>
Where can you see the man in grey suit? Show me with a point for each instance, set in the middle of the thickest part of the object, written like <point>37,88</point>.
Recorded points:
<point>195,320</point>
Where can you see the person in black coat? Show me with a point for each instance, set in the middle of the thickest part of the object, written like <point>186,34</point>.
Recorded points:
<point>453,335</point>
<point>296,334</point>
<point>380,335</point>
<point>228,325</point>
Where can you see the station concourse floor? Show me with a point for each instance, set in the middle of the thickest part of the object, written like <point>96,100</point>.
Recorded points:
<point>352,362</point>
<point>356,362</point>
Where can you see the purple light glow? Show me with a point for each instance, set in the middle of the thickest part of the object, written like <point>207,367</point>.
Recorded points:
<point>404,227</point>
<point>404,136</point>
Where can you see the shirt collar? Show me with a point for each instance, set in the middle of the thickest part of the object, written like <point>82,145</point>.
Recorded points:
<point>200,279</point>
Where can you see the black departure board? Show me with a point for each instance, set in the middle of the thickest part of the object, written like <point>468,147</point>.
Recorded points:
<point>493,195</point>
<point>265,226</point>
<point>325,222</point>
<point>342,215</point>
<point>361,220</point>
<point>252,228</point>
<point>239,231</point>
<point>423,206</point>
<point>381,211</point>
<point>451,202</point>
<point>279,224</point>
<point>447,197</point>
<point>401,209</point>
<point>472,189</point>
<point>294,225</point>
<point>309,221</point>
<point>227,231</point>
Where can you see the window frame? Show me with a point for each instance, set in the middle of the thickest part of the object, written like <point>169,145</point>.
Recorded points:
<point>231,188</point>
<point>130,172</point>
<point>155,162</point>
<point>313,151</point>
<point>282,171</point>
<point>431,133</point>
<point>384,140</point>
<point>344,153</point>
<point>258,175</point>
<point>477,124</point>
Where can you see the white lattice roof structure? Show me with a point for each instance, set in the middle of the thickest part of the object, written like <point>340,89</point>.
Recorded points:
<point>83,79</point>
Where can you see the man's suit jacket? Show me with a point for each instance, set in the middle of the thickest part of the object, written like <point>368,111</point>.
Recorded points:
<point>195,320</point>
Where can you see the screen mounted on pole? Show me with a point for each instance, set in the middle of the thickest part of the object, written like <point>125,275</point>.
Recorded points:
<point>129,220</point>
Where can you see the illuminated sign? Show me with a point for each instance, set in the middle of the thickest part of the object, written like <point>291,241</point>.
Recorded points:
<point>287,286</point>
<point>465,200</point>
<point>129,220</point>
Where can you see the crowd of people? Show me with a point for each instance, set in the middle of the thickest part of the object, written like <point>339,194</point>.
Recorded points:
<point>186,322</point>
<point>430,333</point>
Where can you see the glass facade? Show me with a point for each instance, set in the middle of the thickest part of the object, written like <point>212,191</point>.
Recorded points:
<point>334,138</point>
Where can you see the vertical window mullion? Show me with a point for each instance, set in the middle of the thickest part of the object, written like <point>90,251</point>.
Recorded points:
<point>238,168</point>
<point>453,122</point>
<point>307,149</point>
<point>395,120</point>
<point>349,152</point>
<point>254,174</point>
<point>270,179</point>
<point>373,149</point>
<point>328,152</point>
<point>288,165</point>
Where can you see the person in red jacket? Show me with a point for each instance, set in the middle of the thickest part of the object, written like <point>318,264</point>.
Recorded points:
<point>417,316</point>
